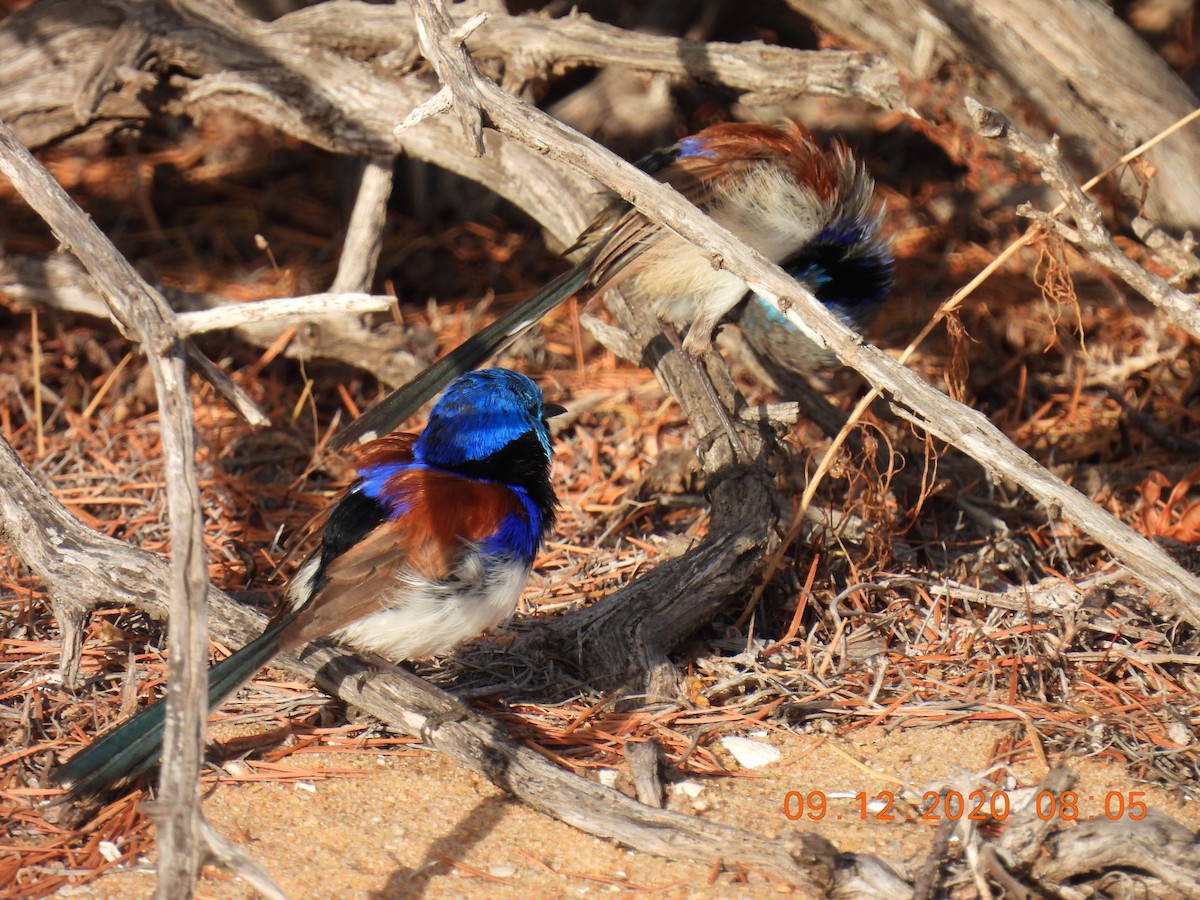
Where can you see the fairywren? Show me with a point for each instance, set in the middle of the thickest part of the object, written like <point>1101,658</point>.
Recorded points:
<point>775,187</point>
<point>431,545</point>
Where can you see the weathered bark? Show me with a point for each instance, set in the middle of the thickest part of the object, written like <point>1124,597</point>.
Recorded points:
<point>144,316</point>
<point>332,75</point>
<point>1088,74</point>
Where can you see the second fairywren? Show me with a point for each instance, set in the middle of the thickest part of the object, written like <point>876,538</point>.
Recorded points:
<point>774,187</point>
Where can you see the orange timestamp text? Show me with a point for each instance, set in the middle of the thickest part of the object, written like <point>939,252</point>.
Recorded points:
<point>976,806</point>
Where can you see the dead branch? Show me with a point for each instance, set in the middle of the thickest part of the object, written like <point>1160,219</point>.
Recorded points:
<point>270,70</point>
<point>1054,597</point>
<point>531,46</point>
<point>443,44</point>
<point>1175,253</point>
<point>235,315</point>
<point>1153,856</point>
<point>143,315</point>
<point>1089,235</point>
<point>290,78</point>
<point>1086,73</point>
<point>1027,832</point>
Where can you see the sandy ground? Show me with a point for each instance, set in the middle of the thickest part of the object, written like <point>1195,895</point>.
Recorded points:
<point>424,827</point>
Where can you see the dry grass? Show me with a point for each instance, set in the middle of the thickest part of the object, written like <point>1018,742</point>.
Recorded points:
<point>912,598</point>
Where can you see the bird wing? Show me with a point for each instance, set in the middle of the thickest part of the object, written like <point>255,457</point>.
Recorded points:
<point>629,233</point>
<point>699,168</point>
<point>441,518</point>
<point>391,448</point>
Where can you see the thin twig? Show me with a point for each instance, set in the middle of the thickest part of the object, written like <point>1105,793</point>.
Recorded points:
<point>1092,237</point>
<point>236,315</point>
<point>144,316</point>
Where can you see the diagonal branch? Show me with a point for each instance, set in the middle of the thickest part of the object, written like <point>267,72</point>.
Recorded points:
<point>444,46</point>
<point>964,428</point>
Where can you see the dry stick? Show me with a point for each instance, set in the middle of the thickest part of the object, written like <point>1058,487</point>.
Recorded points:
<point>445,48</point>
<point>144,316</point>
<point>364,235</point>
<point>238,400</point>
<point>954,302</point>
<point>36,362</point>
<point>293,74</point>
<point>236,315</point>
<point>1153,852</point>
<point>529,47</point>
<point>765,72</point>
<point>928,881</point>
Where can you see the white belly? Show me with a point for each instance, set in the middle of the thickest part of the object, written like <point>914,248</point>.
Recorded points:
<point>431,618</point>
<point>426,618</point>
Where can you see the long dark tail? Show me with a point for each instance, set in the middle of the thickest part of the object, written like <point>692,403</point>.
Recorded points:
<point>401,403</point>
<point>130,749</point>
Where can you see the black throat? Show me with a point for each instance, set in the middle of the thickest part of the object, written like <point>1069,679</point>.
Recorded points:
<point>521,463</point>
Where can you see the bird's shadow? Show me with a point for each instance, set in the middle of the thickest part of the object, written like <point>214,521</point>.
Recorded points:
<point>470,830</point>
